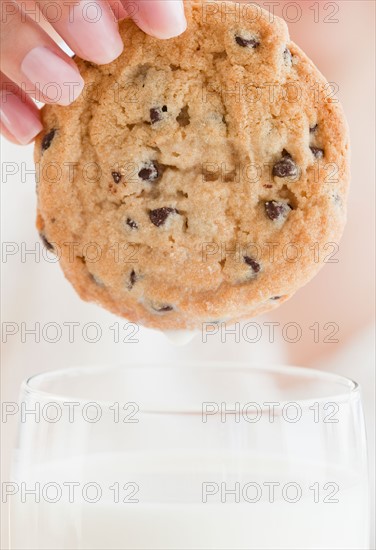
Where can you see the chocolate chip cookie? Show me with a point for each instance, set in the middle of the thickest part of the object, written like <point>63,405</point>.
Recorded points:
<point>198,179</point>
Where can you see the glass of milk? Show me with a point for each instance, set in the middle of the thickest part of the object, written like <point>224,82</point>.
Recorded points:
<point>206,456</point>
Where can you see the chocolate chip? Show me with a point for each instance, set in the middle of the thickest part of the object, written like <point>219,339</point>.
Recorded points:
<point>132,279</point>
<point>160,215</point>
<point>285,167</point>
<point>247,42</point>
<point>313,129</point>
<point>275,298</point>
<point>287,56</point>
<point>163,309</point>
<point>132,224</point>
<point>46,243</point>
<point>252,263</point>
<point>276,210</point>
<point>156,114</point>
<point>47,139</point>
<point>151,171</point>
<point>317,153</point>
<point>116,176</point>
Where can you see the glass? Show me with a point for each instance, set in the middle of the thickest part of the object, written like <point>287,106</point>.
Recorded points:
<point>217,456</point>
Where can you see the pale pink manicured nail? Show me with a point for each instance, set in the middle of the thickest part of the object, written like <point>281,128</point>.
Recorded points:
<point>93,32</point>
<point>18,118</point>
<point>55,78</point>
<point>161,18</point>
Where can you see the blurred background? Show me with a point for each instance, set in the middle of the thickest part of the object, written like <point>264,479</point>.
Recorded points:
<point>338,304</point>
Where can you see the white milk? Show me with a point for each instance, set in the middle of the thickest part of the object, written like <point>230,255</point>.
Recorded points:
<point>170,512</point>
<point>180,337</point>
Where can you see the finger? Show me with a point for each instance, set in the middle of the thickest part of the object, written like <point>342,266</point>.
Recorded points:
<point>20,121</point>
<point>160,18</point>
<point>89,27</point>
<point>34,61</point>
<point>118,9</point>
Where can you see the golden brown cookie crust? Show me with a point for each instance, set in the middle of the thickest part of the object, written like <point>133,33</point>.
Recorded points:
<point>163,187</point>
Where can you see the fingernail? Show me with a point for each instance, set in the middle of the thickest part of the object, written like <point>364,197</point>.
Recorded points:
<point>99,40</point>
<point>53,76</point>
<point>18,118</point>
<point>160,18</point>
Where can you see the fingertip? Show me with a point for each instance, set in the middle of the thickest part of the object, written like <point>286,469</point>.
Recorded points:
<point>106,51</point>
<point>18,119</point>
<point>161,19</point>
<point>49,71</point>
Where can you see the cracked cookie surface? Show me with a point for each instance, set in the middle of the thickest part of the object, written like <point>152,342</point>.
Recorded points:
<point>197,179</point>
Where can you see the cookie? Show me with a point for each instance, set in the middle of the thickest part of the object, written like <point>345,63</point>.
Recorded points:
<point>198,179</point>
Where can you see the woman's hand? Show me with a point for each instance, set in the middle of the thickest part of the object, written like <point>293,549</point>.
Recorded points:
<point>33,65</point>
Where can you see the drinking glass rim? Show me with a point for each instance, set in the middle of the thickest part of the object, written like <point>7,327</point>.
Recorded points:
<point>347,386</point>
